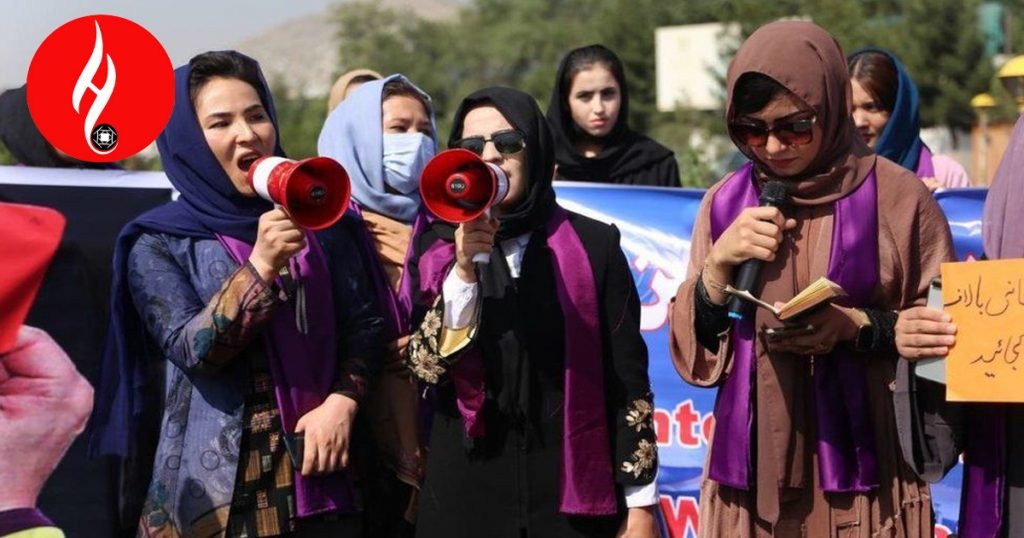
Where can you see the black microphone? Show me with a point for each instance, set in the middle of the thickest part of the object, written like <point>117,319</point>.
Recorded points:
<point>772,194</point>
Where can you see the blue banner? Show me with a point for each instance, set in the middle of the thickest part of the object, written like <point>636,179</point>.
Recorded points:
<point>656,225</point>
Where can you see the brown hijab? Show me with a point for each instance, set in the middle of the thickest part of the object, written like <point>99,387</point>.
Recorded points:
<point>807,61</point>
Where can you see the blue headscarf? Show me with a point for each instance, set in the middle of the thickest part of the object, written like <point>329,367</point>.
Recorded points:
<point>209,204</point>
<point>353,136</point>
<point>900,141</point>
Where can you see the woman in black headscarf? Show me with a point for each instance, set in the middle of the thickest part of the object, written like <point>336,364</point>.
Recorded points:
<point>589,116</point>
<point>526,351</point>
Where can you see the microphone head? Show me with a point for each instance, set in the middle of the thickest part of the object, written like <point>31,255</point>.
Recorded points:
<point>774,193</point>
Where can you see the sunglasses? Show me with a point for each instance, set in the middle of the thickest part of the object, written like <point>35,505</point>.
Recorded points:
<point>790,133</point>
<point>506,142</point>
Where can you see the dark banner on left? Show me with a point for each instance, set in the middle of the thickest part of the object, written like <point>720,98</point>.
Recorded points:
<point>73,306</point>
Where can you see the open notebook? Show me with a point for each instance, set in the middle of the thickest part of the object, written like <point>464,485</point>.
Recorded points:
<point>819,293</point>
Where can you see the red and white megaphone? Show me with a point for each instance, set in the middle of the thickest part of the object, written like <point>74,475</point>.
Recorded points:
<point>314,192</point>
<point>458,186</point>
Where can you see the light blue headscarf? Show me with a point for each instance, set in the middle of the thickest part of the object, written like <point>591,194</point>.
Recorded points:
<point>352,135</point>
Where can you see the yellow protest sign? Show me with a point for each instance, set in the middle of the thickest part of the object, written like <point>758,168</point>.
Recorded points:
<point>986,301</point>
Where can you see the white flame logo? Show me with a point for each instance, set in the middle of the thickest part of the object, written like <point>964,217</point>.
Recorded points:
<point>102,94</point>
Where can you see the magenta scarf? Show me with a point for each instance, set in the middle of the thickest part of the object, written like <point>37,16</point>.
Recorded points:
<point>846,443</point>
<point>588,486</point>
<point>925,165</point>
<point>303,367</point>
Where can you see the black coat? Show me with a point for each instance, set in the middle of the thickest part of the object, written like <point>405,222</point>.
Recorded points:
<point>507,483</point>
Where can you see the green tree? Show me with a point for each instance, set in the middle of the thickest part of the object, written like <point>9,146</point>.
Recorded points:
<point>939,41</point>
<point>299,120</point>
<point>516,43</point>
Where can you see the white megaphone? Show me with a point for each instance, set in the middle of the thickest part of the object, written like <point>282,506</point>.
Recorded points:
<point>314,192</point>
<point>458,186</point>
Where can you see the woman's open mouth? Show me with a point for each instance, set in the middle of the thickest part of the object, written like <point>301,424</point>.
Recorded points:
<point>245,161</point>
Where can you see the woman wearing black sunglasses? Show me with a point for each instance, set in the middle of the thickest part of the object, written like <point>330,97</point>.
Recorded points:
<point>543,412</point>
<point>589,116</point>
<point>805,439</point>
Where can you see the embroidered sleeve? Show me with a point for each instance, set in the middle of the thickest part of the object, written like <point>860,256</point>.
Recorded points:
<point>199,338</point>
<point>638,450</point>
<point>433,347</point>
<point>423,356</point>
<point>642,462</point>
<point>628,385</point>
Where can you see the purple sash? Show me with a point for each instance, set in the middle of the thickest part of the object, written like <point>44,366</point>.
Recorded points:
<point>846,441</point>
<point>981,505</point>
<point>925,166</point>
<point>20,519</point>
<point>304,367</point>
<point>587,483</point>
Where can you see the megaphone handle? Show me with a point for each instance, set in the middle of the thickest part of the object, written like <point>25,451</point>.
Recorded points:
<point>483,257</point>
<point>294,284</point>
<point>284,272</point>
<point>301,319</point>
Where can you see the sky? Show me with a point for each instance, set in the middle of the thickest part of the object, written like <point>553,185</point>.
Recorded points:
<point>184,27</point>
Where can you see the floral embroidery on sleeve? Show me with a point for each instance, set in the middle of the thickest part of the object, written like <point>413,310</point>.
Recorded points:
<point>642,460</point>
<point>423,356</point>
<point>639,415</point>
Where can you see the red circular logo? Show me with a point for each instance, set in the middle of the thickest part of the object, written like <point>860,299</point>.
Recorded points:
<point>100,88</point>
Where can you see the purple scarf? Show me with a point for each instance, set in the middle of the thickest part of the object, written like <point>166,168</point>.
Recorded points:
<point>925,166</point>
<point>981,505</point>
<point>587,486</point>
<point>304,367</point>
<point>846,441</point>
<point>21,519</point>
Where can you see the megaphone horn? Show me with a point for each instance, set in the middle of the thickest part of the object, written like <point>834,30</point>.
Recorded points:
<point>314,192</point>
<point>458,186</point>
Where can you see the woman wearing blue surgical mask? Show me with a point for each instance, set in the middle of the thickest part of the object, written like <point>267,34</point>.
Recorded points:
<point>383,134</point>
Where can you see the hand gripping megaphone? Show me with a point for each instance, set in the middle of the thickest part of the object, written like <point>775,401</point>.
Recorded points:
<point>314,192</point>
<point>458,186</point>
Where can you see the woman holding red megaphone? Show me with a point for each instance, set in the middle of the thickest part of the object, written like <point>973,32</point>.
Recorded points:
<point>383,134</point>
<point>259,391</point>
<point>542,423</point>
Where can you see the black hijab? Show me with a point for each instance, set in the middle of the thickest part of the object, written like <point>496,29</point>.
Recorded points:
<point>507,372</point>
<point>522,112</point>
<point>21,136</point>
<point>624,151</point>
